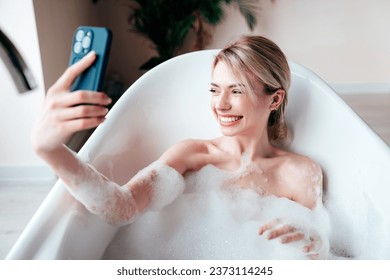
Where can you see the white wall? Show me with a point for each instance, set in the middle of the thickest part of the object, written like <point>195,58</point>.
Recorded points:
<point>17,112</point>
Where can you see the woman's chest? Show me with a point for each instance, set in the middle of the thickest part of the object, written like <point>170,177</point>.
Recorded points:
<point>262,180</point>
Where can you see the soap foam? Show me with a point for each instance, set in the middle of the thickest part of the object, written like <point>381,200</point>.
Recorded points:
<point>359,231</point>
<point>167,184</point>
<point>207,222</point>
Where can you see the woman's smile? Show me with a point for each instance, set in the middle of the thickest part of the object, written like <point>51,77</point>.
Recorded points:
<point>229,120</point>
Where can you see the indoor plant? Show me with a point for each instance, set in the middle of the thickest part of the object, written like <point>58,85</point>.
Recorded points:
<point>166,23</point>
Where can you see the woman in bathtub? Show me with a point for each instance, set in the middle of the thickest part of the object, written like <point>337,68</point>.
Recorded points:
<point>250,80</point>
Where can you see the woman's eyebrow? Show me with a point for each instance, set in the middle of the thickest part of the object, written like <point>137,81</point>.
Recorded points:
<point>230,86</point>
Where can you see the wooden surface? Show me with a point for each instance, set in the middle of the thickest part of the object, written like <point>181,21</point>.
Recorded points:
<point>375,110</point>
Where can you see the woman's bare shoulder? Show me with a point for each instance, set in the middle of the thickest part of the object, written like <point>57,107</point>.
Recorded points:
<point>300,162</point>
<point>305,179</point>
<point>187,155</point>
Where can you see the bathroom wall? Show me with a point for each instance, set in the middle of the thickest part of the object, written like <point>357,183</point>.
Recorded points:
<point>344,41</point>
<point>18,111</point>
<point>57,20</point>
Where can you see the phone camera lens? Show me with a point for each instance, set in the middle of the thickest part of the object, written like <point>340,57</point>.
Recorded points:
<point>80,35</point>
<point>86,42</point>
<point>77,48</point>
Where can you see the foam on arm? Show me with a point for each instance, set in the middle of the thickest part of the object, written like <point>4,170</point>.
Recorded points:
<point>166,184</point>
<point>118,205</point>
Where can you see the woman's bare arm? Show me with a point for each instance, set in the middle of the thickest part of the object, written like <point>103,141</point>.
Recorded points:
<point>65,113</point>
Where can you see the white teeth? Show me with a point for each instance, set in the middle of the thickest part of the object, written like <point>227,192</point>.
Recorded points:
<point>229,119</point>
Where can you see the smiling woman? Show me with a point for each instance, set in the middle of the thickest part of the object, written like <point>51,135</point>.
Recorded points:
<point>260,66</point>
<point>250,79</point>
<point>242,103</point>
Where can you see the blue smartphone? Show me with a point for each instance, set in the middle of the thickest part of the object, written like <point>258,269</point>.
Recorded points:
<point>86,39</point>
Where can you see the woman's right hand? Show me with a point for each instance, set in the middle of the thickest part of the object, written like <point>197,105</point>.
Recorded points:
<point>60,117</point>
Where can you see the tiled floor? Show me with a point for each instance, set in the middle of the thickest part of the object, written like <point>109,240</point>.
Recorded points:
<point>18,202</point>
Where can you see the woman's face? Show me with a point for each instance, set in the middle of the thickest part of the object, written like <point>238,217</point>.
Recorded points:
<point>237,112</point>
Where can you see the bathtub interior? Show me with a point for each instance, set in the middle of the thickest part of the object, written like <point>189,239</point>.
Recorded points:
<point>170,103</point>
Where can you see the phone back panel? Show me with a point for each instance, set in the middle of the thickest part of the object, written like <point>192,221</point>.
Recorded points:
<point>86,39</point>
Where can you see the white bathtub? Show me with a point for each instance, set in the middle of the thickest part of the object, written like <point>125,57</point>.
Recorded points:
<point>170,103</point>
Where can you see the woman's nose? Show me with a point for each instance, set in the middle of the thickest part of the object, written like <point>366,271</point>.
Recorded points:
<point>223,102</point>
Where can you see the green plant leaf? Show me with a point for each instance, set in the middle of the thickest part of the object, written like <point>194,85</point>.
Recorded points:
<point>166,23</point>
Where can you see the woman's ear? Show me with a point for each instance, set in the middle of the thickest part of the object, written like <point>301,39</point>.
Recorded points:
<point>277,99</point>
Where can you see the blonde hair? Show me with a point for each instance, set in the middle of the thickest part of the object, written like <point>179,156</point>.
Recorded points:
<point>262,60</point>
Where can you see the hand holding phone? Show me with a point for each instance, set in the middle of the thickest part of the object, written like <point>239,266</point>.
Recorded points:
<point>86,39</point>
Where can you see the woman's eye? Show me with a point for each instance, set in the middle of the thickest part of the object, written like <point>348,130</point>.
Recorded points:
<point>236,91</point>
<point>213,91</point>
